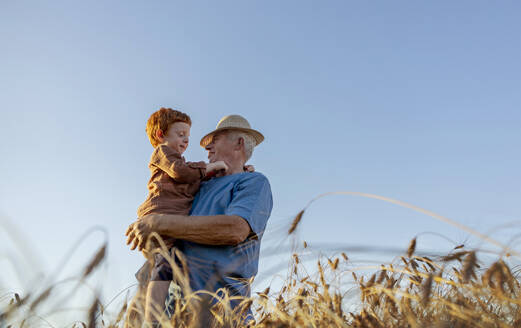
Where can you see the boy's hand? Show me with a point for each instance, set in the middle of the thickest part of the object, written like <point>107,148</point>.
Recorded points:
<point>216,166</point>
<point>249,168</point>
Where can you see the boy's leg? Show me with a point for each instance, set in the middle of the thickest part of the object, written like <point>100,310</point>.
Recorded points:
<point>136,309</point>
<point>155,300</point>
<point>157,291</point>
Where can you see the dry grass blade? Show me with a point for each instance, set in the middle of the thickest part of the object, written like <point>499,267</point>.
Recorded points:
<point>411,248</point>
<point>335,264</point>
<point>43,296</point>
<point>426,289</point>
<point>91,323</point>
<point>382,276</point>
<point>264,293</point>
<point>96,260</point>
<point>468,266</point>
<point>295,222</point>
<point>121,314</point>
<point>454,256</point>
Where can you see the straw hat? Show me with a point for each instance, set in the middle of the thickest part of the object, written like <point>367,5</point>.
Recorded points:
<point>233,122</point>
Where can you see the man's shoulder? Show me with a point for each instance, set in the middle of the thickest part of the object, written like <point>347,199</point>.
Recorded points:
<point>252,177</point>
<point>253,180</point>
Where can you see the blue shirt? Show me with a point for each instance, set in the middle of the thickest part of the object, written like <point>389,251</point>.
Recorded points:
<point>247,195</point>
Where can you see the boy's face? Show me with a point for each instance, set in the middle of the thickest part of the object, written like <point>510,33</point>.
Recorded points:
<point>177,136</point>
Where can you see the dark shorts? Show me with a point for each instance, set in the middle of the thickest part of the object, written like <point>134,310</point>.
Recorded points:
<point>162,271</point>
<point>156,270</point>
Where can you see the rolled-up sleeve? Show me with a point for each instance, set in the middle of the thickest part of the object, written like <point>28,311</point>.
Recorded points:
<point>252,200</point>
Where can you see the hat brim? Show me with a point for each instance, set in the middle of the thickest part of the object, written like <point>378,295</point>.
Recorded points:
<point>254,133</point>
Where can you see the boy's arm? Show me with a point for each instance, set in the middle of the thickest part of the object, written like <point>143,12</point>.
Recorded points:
<point>173,164</point>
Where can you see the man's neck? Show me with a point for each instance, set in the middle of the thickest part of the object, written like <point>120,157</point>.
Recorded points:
<point>238,169</point>
<point>233,168</point>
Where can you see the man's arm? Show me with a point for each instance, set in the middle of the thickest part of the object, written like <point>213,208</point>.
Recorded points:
<point>208,230</point>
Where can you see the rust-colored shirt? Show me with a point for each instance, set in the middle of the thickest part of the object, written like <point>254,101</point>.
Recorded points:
<point>173,183</point>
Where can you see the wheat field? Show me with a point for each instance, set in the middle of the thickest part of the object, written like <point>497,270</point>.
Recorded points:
<point>457,289</point>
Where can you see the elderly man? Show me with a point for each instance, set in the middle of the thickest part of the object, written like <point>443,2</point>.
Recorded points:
<point>221,238</point>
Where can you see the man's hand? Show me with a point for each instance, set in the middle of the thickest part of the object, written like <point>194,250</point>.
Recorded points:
<point>139,231</point>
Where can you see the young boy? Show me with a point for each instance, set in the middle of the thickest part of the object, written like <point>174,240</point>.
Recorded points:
<point>172,186</point>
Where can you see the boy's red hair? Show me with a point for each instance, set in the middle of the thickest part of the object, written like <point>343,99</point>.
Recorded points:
<point>161,120</point>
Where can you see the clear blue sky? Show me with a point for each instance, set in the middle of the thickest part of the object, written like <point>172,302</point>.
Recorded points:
<point>413,100</point>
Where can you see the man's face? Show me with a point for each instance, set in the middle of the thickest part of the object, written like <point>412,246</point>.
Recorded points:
<point>220,148</point>
<point>178,136</point>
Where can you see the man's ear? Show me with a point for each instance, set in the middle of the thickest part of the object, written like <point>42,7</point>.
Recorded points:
<point>159,135</point>
<point>240,143</point>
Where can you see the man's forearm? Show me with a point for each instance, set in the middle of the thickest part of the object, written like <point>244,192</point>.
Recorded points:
<point>208,230</point>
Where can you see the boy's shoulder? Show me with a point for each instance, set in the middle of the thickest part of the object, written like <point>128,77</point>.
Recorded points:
<point>163,151</point>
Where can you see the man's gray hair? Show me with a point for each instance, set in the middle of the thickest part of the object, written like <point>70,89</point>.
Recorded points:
<point>249,141</point>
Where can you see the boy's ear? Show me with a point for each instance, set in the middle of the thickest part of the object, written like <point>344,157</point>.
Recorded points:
<point>159,135</point>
